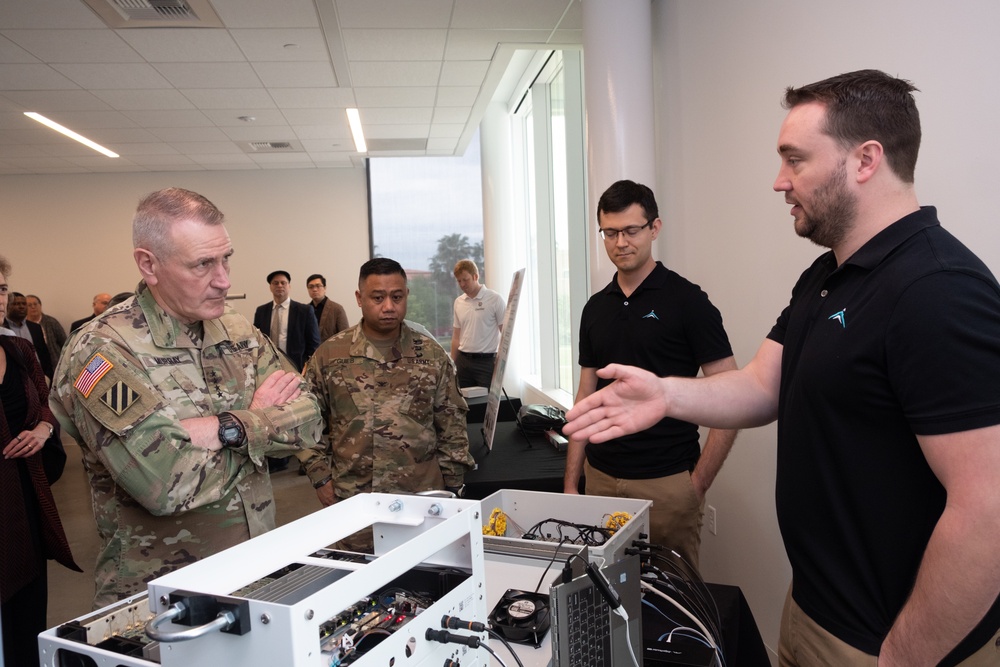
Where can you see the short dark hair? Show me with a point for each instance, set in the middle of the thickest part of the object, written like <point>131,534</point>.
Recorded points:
<point>314,277</point>
<point>868,105</point>
<point>13,294</point>
<point>380,266</point>
<point>623,194</point>
<point>272,274</point>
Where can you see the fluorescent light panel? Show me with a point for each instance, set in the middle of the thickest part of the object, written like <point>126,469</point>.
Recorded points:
<point>354,118</point>
<point>69,133</point>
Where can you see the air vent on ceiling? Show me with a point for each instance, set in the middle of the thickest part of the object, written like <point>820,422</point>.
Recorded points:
<point>273,147</point>
<point>156,13</point>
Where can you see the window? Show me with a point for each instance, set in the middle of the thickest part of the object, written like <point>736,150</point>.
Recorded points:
<point>548,131</point>
<point>427,213</point>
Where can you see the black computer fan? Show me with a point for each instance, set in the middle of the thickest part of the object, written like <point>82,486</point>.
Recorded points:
<point>521,616</point>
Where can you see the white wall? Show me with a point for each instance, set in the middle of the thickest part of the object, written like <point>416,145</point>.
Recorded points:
<point>69,237</point>
<point>721,69</point>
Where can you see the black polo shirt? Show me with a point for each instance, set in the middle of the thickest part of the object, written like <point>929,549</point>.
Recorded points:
<point>666,326</point>
<point>902,339</point>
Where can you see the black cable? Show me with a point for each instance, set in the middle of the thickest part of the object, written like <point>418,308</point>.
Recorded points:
<point>555,553</point>
<point>593,536</point>
<point>503,641</point>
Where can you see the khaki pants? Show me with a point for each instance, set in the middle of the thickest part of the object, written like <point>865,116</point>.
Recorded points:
<point>676,515</point>
<point>803,643</point>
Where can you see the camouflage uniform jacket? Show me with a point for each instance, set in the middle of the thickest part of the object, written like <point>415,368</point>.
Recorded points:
<point>122,386</point>
<point>396,423</point>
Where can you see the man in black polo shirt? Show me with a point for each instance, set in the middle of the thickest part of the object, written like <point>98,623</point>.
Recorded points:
<point>649,316</point>
<point>882,373</point>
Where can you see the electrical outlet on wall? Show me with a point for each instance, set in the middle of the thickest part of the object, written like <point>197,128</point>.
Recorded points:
<point>710,519</point>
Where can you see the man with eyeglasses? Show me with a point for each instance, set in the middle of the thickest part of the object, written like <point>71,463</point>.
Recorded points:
<point>330,315</point>
<point>651,317</point>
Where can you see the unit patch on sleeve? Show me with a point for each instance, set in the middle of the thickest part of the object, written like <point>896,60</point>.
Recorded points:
<point>119,398</point>
<point>96,368</point>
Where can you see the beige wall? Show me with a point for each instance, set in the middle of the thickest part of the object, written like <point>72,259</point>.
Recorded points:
<point>721,69</point>
<point>68,237</point>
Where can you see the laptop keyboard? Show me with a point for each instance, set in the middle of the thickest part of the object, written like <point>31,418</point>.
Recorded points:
<point>589,629</point>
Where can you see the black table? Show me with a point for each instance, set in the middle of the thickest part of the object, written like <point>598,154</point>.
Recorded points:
<point>741,641</point>
<point>516,461</point>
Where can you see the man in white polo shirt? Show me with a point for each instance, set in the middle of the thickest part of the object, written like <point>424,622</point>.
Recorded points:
<point>478,323</point>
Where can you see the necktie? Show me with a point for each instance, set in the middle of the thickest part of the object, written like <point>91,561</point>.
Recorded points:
<point>276,326</point>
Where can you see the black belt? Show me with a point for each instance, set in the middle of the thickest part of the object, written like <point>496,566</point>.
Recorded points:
<point>479,355</point>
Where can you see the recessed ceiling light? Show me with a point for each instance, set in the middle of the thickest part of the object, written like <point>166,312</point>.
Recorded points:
<point>354,118</point>
<point>69,133</point>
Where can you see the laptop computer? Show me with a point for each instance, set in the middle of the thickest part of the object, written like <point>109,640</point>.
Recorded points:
<point>585,632</point>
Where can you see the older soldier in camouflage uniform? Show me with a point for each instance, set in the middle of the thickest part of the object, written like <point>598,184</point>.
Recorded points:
<point>176,400</point>
<point>395,415</point>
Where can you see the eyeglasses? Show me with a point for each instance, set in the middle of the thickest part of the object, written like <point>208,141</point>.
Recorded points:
<point>314,286</point>
<point>629,232</point>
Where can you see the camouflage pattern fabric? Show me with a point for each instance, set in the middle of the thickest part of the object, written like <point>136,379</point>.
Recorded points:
<point>122,386</point>
<point>395,423</point>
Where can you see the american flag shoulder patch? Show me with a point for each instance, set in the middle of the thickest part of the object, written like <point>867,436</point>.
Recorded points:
<point>119,398</point>
<point>96,368</point>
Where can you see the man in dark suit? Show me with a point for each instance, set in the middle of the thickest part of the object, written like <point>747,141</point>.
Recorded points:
<point>100,305</point>
<point>297,333</point>
<point>292,328</point>
<point>18,322</point>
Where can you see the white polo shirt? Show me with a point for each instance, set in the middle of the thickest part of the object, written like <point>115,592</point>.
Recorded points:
<point>479,319</point>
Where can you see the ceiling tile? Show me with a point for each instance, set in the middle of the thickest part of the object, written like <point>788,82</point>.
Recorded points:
<point>12,53</point>
<point>200,148</point>
<point>513,14</point>
<point>231,118</point>
<point>395,131</point>
<point>47,14</point>
<point>282,44</point>
<point>189,134</point>
<point>267,13</point>
<point>463,73</point>
<point>209,75</point>
<point>184,45</point>
<point>324,132</point>
<point>74,46</point>
<point>394,14</point>
<point>369,74</point>
<point>452,114</point>
<point>368,44</point>
<point>113,76</point>
<point>395,116</point>
<point>160,98</point>
<point>316,116</point>
<point>296,75</point>
<point>459,96</point>
<point>155,119</point>
<point>262,133</point>
<point>57,100</point>
<point>229,98</point>
<point>313,98</point>
<point>32,77</point>
<point>406,96</point>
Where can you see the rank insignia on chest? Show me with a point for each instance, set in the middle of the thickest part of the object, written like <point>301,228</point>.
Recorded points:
<point>119,398</point>
<point>96,368</point>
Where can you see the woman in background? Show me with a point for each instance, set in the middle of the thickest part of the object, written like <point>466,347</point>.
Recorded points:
<point>30,531</point>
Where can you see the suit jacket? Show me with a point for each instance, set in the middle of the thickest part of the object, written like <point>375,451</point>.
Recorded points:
<point>41,349</point>
<point>333,320</point>
<point>303,331</point>
<point>80,322</point>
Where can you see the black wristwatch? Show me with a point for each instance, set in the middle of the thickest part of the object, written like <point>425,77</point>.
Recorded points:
<point>231,431</point>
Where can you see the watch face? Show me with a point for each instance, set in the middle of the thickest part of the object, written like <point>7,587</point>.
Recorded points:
<point>231,434</point>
